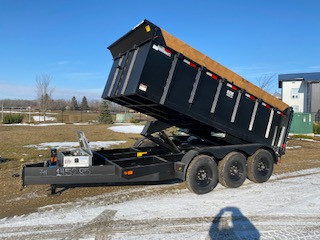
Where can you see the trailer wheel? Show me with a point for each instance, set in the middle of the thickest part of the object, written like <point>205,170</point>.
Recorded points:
<point>233,170</point>
<point>202,175</point>
<point>144,142</point>
<point>260,166</point>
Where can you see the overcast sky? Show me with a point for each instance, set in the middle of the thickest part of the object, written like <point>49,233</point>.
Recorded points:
<point>68,39</point>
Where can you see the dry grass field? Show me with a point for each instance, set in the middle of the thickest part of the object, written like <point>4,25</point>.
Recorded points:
<point>13,139</point>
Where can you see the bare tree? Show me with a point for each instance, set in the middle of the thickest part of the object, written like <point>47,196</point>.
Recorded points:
<point>94,104</point>
<point>44,92</point>
<point>267,81</point>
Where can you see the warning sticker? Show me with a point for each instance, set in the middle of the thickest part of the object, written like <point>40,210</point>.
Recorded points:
<point>143,87</point>
<point>230,94</point>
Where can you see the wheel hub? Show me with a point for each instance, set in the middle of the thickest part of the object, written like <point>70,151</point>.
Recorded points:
<point>261,166</point>
<point>202,175</point>
<point>234,170</point>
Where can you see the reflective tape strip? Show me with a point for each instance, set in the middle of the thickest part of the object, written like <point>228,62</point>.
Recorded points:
<point>232,86</point>
<point>253,116</point>
<point>115,76</point>
<point>216,97</point>
<point>265,105</point>
<point>129,70</point>
<point>162,49</point>
<point>269,123</point>
<point>250,96</point>
<point>236,106</point>
<point>212,75</point>
<point>189,63</point>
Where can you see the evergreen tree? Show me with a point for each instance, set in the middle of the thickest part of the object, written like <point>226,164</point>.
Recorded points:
<point>84,104</point>
<point>74,103</point>
<point>105,116</point>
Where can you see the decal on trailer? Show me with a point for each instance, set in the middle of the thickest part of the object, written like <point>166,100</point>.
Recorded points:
<point>143,87</point>
<point>230,94</point>
<point>73,171</point>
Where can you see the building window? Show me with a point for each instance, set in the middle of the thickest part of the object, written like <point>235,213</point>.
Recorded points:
<point>295,93</point>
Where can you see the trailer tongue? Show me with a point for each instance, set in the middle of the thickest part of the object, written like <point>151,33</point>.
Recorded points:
<point>236,130</point>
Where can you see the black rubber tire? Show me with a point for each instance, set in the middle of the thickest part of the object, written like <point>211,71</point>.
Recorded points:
<point>260,166</point>
<point>233,170</point>
<point>202,174</point>
<point>144,142</point>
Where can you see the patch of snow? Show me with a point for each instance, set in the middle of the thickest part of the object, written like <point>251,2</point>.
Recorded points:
<point>278,207</point>
<point>82,124</point>
<point>309,171</point>
<point>127,128</point>
<point>34,125</point>
<point>293,147</point>
<point>292,196</point>
<point>66,145</point>
<point>41,118</point>
<point>14,112</point>
<point>27,196</point>
<point>306,139</point>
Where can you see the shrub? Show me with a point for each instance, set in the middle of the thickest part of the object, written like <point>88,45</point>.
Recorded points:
<point>105,116</point>
<point>316,128</point>
<point>9,119</point>
<point>134,120</point>
<point>302,136</point>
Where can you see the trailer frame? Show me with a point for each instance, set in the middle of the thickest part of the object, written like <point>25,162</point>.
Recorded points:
<point>163,162</point>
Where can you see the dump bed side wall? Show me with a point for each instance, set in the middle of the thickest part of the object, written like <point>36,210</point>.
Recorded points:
<point>161,82</point>
<point>219,69</point>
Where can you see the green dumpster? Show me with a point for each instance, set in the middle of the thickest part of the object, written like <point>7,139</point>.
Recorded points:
<point>301,123</point>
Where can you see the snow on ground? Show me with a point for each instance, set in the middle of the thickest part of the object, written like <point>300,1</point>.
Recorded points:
<point>307,140</point>
<point>44,124</point>
<point>287,206</point>
<point>14,112</point>
<point>127,128</point>
<point>41,118</point>
<point>293,147</point>
<point>26,112</point>
<point>33,125</point>
<point>65,145</point>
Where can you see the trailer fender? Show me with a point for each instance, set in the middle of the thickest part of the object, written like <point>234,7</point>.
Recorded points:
<point>220,152</point>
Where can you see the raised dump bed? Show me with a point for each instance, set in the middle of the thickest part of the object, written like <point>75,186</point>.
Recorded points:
<point>237,130</point>
<point>157,74</point>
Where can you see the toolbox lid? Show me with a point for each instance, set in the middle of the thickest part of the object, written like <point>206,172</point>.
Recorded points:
<point>83,142</point>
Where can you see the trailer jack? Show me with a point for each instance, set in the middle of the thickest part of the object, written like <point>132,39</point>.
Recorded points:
<point>53,189</point>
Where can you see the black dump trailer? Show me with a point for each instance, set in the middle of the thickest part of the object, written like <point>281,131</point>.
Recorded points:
<point>232,129</point>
